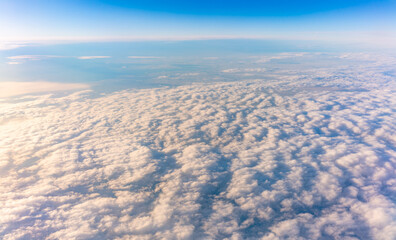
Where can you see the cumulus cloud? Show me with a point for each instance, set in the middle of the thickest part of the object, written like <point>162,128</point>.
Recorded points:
<point>92,57</point>
<point>9,89</point>
<point>293,157</point>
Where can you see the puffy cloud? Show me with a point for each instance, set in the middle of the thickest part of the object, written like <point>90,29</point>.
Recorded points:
<point>293,157</point>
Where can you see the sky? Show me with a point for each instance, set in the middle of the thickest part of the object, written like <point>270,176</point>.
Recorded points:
<point>276,120</point>
<point>102,20</point>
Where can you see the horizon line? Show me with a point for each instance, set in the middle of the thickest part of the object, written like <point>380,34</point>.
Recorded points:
<point>370,38</point>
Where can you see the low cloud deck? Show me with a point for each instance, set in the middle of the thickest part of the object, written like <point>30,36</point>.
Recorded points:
<point>269,160</point>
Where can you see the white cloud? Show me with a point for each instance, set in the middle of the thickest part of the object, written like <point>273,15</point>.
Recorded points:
<point>23,58</point>
<point>294,156</point>
<point>188,74</point>
<point>9,89</point>
<point>180,76</point>
<point>92,57</point>
<point>244,70</point>
<point>143,57</point>
<point>10,45</point>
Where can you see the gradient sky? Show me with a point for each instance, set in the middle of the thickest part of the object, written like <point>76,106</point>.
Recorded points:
<point>344,20</point>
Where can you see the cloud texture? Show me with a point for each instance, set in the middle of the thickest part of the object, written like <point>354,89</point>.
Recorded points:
<point>292,157</point>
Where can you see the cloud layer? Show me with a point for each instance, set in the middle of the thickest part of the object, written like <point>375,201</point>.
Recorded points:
<point>291,157</point>
<point>9,89</point>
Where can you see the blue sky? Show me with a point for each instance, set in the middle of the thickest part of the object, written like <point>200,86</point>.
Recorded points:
<point>91,20</point>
